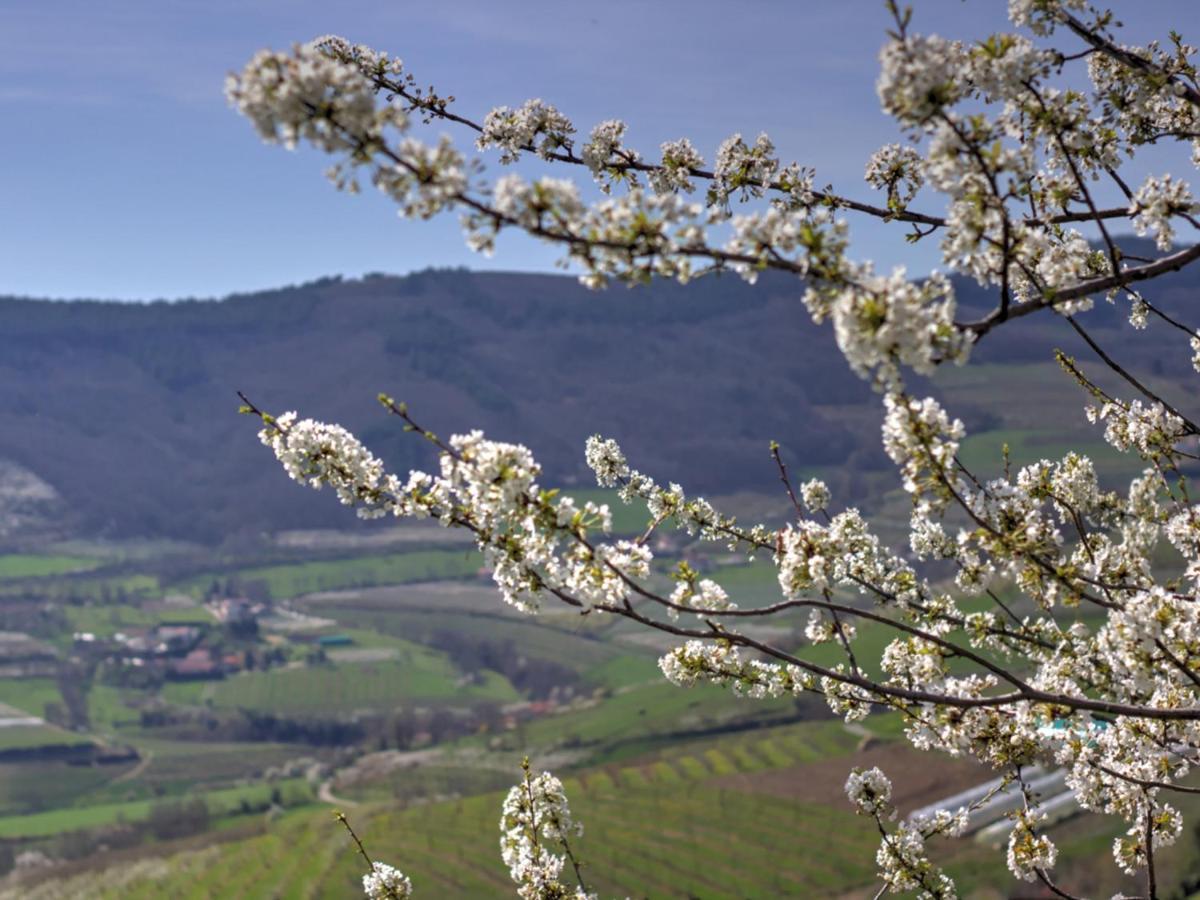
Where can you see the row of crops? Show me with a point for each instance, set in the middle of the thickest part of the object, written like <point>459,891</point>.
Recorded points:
<point>666,827</point>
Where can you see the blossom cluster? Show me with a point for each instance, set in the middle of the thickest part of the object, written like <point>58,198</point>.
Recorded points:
<point>904,864</point>
<point>386,882</point>
<point>674,173</point>
<point>538,543</point>
<point>1029,852</point>
<point>1148,428</point>
<point>605,156</point>
<point>870,791</point>
<point>745,168</point>
<point>896,169</point>
<point>310,96</point>
<point>536,827</point>
<point>1156,204</point>
<point>534,125</point>
<point>720,662</point>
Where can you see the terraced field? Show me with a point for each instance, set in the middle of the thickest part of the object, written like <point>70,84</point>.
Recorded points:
<point>667,826</point>
<point>756,815</point>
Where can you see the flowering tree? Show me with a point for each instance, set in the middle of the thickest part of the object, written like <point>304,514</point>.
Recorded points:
<point>1097,667</point>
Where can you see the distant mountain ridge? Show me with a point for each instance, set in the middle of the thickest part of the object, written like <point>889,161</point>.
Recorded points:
<point>124,413</point>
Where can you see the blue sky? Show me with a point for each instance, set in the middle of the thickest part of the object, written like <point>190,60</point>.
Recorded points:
<point>126,175</point>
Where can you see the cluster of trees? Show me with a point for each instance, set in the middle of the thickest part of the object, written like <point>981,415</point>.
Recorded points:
<point>534,677</point>
<point>402,729</point>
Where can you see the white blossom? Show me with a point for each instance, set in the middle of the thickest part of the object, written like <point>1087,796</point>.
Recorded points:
<point>1040,15</point>
<point>922,440</point>
<point>896,169</point>
<point>535,829</point>
<point>744,168</point>
<point>679,158</point>
<point>815,495</point>
<point>309,96</point>
<point>534,125</point>
<point>384,882</point>
<point>604,150</point>
<point>920,77</point>
<point>1156,203</point>
<point>1029,851</point>
<point>1148,428</point>
<point>870,791</point>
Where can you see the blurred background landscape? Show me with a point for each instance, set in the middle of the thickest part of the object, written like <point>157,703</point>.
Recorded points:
<point>199,659</point>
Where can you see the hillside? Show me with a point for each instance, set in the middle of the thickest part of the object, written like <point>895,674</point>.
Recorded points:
<point>745,816</point>
<point>118,419</point>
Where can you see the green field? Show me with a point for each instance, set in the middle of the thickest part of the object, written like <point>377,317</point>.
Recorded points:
<point>222,802</point>
<point>1024,424</point>
<point>28,787</point>
<point>174,764</point>
<point>417,676</point>
<point>94,587</point>
<point>983,453</point>
<point>411,673</point>
<point>26,737</point>
<point>29,694</point>
<point>750,585</point>
<point>29,565</point>
<point>105,620</point>
<point>409,785</point>
<point>641,719</point>
<point>568,641</point>
<point>292,580</point>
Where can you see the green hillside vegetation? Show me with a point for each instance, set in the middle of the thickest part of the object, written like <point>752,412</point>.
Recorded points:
<point>97,586</point>
<point>29,565</point>
<point>29,694</point>
<point>569,640</point>
<point>27,737</point>
<point>418,676</point>
<point>658,828</point>
<point>721,817</point>
<point>105,620</point>
<point>175,767</point>
<point>448,341</point>
<point>28,787</point>
<point>642,718</point>
<point>1026,426</point>
<point>298,578</point>
<point>220,803</point>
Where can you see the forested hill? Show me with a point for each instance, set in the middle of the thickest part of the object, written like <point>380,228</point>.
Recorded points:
<point>119,419</point>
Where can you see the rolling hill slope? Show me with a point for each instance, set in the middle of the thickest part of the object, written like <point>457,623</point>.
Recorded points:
<point>120,418</point>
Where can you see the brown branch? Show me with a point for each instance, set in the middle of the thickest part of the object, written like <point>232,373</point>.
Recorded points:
<point>1124,57</point>
<point>630,164</point>
<point>1172,263</point>
<point>1191,426</point>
